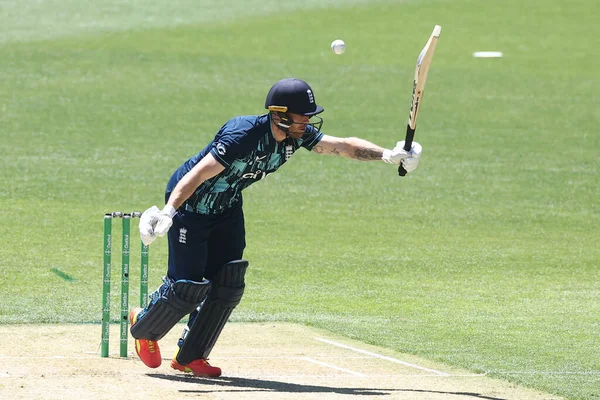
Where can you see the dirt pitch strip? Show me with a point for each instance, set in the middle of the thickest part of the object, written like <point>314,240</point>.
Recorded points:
<point>259,361</point>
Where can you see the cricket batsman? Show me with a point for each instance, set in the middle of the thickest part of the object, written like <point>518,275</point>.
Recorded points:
<point>204,220</point>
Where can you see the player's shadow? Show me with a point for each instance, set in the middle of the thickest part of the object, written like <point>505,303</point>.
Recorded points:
<point>261,385</point>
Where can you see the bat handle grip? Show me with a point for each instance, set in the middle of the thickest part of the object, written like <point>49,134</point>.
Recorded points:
<point>410,135</point>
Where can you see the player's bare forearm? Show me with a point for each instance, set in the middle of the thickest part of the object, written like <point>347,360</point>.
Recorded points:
<point>205,169</point>
<point>355,148</point>
<point>184,189</point>
<point>364,150</point>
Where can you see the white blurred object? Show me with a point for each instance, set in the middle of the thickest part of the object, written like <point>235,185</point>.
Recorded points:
<point>338,46</point>
<point>487,54</point>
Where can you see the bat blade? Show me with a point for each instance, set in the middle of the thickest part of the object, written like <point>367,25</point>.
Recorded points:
<point>421,70</point>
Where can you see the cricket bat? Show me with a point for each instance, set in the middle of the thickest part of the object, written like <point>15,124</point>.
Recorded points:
<point>423,64</point>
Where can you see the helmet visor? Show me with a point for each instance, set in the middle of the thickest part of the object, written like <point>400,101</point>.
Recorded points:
<point>315,123</point>
<point>312,126</point>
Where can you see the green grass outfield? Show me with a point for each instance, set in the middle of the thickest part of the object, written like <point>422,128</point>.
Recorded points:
<point>487,257</point>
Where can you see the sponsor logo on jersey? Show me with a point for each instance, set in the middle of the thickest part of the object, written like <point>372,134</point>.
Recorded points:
<point>258,175</point>
<point>221,149</point>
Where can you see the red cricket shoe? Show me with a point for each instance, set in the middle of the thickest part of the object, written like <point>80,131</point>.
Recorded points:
<point>199,367</point>
<point>147,350</point>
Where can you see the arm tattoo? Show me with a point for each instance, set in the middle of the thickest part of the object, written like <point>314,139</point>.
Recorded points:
<point>322,150</point>
<point>366,154</point>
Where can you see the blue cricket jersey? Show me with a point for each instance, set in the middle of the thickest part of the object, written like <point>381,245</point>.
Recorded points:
<point>245,146</point>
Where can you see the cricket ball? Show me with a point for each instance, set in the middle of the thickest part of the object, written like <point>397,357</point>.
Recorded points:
<point>338,46</point>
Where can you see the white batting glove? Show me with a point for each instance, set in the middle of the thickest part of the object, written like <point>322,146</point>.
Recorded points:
<point>398,155</point>
<point>163,220</point>
<point>412,162</point>
<point>155,222</point>
<point>146,227</point>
